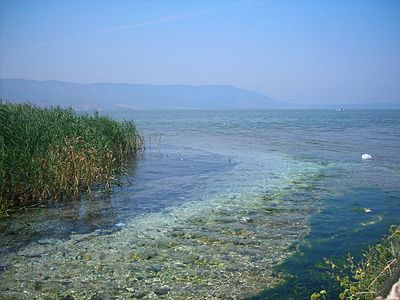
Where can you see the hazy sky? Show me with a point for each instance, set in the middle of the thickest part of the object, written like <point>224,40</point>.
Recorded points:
<point>299,51</point>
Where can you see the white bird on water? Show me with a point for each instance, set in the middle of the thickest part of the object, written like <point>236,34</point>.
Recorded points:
<point>366,156</point>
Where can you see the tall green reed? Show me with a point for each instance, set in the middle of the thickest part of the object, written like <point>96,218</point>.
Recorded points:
<point>51,153</point>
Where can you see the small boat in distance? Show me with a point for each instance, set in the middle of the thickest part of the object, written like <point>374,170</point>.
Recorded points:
<point>340,109</point>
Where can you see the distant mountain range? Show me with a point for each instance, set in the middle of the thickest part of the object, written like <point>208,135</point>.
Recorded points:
<point>138,96</point>
<point>367,105</point>
<point>104,96</point>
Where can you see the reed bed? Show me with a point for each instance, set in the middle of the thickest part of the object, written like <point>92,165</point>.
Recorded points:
<point>53,153</point>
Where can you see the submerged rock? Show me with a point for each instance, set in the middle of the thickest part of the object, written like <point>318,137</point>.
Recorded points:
<point>161,290</point>
<point>3,268</point>
<point>44,241</point>
<point>246,220</point>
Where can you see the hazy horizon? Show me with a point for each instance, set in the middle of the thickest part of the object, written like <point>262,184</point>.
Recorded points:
<point>301,52</point>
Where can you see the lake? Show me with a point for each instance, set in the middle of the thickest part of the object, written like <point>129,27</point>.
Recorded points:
<point>222,204</point>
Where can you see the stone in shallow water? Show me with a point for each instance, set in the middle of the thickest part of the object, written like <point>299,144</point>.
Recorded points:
<point>44,241</point>
<point>139,294</point>
<point>161,290</point>
<point>3,268</point>
<point>246,220</point>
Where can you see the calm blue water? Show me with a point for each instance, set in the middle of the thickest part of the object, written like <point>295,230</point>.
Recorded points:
<point>221,204</point>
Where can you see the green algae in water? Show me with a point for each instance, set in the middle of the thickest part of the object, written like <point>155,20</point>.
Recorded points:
<point>334,232</point>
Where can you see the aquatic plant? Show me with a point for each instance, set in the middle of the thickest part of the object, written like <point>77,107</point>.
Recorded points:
<point>319,296</point>
<point>52,153</point>
<point>374,274</point>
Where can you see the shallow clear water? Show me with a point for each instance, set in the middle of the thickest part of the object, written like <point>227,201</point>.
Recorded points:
<point>222,204</point>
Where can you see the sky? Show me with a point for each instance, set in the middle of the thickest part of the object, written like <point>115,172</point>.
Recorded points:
<point>299,51</point>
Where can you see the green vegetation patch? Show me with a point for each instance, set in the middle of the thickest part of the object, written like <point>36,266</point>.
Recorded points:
<point>51,153</point>
<point>373,275</point>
